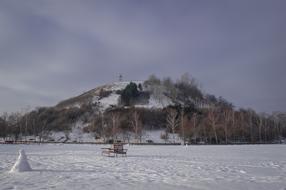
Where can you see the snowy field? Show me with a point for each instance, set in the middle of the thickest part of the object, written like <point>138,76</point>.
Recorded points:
<point>57,166</point>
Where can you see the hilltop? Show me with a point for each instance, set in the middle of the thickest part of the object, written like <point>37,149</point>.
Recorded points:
<point>107,96</point>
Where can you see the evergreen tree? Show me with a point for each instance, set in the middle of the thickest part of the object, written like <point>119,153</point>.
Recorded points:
<point>129,94</point>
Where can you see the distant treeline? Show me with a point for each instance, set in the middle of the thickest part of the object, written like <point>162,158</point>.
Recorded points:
<point>197,117</point>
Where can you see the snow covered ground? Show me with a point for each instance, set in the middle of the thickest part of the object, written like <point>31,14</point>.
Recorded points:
<point>77,135</point>
<point>59,166</point>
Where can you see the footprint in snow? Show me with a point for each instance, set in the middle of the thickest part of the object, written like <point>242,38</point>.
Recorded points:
<point>242,171</point>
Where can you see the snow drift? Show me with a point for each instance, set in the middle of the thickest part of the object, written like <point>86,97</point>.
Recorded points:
<point>22,163</point>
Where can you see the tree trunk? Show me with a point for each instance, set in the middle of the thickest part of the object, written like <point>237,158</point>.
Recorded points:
<point>215,134</point>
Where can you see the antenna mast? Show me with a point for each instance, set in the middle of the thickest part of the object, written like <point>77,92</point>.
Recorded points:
<point>120,78</point>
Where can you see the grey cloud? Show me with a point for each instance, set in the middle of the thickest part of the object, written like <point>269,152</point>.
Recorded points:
<point>59,49</point>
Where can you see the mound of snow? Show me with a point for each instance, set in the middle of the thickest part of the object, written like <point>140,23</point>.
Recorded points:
<point>111,100</point>
<point>22,163</point>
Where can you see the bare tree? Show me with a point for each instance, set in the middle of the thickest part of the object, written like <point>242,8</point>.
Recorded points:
<point>42,127</point>
<point>14,122</point>
<point>262,126</point>
<point>103,127</point>
<point>228,116</point>
<point>182,125</point>
<point>137,126</point>
<point>170,88</point>
<point>172,121</point>
<point>194,117</point>
<point>115,120</point>
<point>258,121</point>
<point>4,128</point>
<point>251,114</point>
<point>213,118</point>
<point>186,78</point>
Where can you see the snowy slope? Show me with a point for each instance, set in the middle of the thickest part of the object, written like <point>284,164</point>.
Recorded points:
<point>112,99</point>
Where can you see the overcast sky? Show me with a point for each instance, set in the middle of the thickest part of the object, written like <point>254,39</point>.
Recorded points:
<point>51,50</point>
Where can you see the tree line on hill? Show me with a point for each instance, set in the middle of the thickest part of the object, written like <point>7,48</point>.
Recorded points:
<point>195,116</point>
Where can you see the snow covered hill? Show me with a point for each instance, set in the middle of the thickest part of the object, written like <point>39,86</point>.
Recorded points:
<point>84,117</point>
<point>102,98</point>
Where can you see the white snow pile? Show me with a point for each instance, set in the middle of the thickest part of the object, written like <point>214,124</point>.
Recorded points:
<point>111,100</point>
<point>22,163</point>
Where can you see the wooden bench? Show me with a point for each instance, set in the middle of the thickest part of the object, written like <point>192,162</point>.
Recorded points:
<point>115,149</point>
